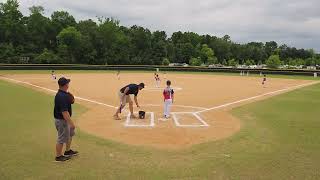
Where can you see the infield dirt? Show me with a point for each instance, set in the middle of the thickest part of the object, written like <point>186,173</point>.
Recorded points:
<point>194,93</point>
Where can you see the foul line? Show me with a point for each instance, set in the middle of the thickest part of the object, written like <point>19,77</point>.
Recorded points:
<point>54,91</point>
<point>258,96</point>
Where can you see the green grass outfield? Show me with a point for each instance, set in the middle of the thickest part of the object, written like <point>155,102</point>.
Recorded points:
<point>280,139</point>
<point>6,72</point>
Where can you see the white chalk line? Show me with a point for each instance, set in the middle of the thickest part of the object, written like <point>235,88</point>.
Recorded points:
<point>255,97</point>
<point>178,124</point>
<point>128,120</point>
<point>204,123</point>
<point>54,91</point>
<point>22,82</point>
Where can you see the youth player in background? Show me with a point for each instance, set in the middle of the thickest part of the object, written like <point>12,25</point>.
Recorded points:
<point>264,80</point>
<point>118,74</point>
<point>54,77</point>
<point>157,79</point>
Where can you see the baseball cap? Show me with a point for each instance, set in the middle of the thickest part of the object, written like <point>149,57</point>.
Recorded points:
<point>63,81</point>
<point>141,85</point>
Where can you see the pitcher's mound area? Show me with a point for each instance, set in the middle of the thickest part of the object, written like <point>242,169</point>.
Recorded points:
<point>200,112</point>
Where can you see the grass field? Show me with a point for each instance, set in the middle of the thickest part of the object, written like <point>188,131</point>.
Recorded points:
<point>279,139</point>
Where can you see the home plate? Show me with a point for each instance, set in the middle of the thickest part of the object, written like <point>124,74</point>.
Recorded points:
<point>136,122</point>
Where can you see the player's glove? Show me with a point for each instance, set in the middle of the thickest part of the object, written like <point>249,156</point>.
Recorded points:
<point>71,98</point>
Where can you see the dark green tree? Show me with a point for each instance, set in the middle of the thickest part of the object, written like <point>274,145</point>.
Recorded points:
<point>47,57</point>
<point>273,61</point>
<point>70,38</point>
<point>38,30</point>
<point>12,29</point>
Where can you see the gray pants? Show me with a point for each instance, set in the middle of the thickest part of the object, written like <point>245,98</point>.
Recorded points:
<point>64,131</point>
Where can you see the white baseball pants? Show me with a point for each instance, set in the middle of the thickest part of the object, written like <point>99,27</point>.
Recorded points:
<point>167,107</point>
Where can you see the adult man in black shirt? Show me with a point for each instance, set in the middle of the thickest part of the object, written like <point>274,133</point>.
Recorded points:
<point>124,95</point>
<point>64,125</point>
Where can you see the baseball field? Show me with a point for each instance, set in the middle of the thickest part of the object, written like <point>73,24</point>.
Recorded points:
<point>221,127</point>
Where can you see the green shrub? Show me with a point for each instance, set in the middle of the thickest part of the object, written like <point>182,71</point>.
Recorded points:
<point>195,61</point>
<point>232,62</point>
<point>165,62</point>
<point>273,61</point>
<point>47,57</point>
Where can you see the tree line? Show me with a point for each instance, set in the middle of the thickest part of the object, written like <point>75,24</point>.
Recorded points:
<point>61,39</point>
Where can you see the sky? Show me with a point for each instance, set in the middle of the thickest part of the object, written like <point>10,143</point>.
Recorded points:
<point>292,22</point>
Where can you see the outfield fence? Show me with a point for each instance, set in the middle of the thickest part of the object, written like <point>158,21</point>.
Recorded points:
<point>153,68</point>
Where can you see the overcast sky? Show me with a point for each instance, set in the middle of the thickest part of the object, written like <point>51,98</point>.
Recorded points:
<point>293,22</point>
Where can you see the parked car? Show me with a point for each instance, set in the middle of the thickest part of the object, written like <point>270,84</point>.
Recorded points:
<point>179,64</point>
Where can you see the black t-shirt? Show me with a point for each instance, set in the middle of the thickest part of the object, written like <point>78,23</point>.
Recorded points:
<point>133,89</point>
<point>61,104</point>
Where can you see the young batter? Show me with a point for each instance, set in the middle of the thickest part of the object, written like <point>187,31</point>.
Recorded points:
<point>168,96</point>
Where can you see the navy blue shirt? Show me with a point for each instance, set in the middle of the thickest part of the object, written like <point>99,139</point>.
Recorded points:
<point>61,103</point>
<point>133,89</point>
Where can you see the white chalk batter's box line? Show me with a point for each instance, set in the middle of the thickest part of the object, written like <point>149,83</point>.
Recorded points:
<point>128,120</point>
<point>196,115</point>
